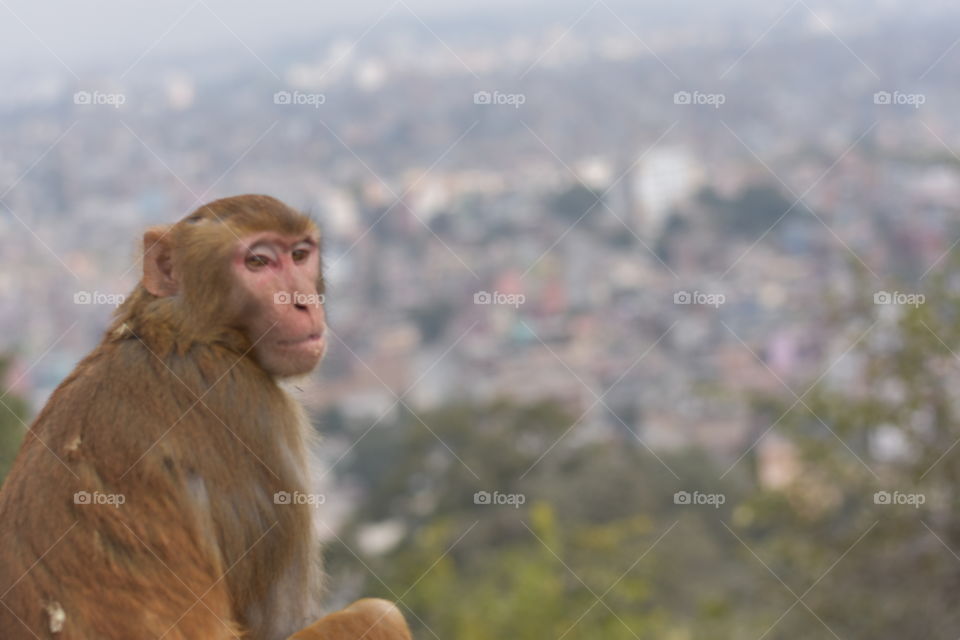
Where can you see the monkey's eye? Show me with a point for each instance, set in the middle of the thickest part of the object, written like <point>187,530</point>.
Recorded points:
<point>299,255</point>
<point>255,261</point>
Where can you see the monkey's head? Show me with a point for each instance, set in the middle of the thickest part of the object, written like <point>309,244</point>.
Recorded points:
<point>248,265</point>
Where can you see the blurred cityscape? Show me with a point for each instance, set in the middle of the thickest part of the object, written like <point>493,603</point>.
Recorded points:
<point>642,217</point>
<point>642,315</point>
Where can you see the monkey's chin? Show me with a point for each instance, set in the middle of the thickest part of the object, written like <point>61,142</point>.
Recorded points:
<point>287,359</point>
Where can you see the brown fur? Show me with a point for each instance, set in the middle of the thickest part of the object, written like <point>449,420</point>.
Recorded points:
<point>367,619</point>
<point>176,412</point>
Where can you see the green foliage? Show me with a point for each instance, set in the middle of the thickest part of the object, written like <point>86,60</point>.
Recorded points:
<point>13,415</point>
<point>597,520</point>
<point>888,570</point>
<point>577,202</point>
<point>432,319</point>
<point>751,212</point>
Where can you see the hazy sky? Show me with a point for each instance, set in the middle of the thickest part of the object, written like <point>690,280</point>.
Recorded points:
<point>82,33</point>
<point>86,31</point>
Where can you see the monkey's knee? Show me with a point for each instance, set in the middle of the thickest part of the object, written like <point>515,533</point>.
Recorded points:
<point>369,618</point>
<point>379,611</point>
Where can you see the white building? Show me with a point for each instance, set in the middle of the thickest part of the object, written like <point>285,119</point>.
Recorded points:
<point>664,178</point>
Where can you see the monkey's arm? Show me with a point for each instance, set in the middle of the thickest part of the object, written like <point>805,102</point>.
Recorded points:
<point>370,619</point>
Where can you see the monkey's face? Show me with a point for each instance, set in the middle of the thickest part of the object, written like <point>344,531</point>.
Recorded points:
<point>281,307</point>
<point>247,263</point>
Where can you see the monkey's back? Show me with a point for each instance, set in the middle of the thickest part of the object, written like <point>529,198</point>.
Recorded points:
<point>123,495</point>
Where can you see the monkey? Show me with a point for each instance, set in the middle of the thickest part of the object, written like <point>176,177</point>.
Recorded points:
<point>150,497</point>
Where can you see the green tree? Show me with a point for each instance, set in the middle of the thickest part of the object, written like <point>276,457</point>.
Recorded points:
<point>597,519</point>
<point>750,213</point>
<point>878,565</point>
<point>575,202</point>
<point>13,415</point>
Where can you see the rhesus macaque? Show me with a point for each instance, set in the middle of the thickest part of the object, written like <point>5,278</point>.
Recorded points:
<point>147,500</point>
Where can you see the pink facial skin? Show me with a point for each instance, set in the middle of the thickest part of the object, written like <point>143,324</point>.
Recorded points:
<point>279,274</point>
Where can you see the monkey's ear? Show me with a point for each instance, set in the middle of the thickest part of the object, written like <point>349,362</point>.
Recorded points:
<point>158,276</point>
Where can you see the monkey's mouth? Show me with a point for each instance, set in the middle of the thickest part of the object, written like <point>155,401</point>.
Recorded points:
<point>308,341</point>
